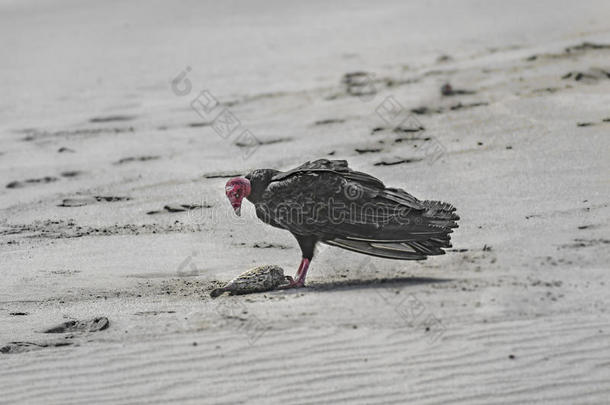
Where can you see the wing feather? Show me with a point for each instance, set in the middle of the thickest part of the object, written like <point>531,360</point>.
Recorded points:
<point>339,167</point>
<point>355,211</point>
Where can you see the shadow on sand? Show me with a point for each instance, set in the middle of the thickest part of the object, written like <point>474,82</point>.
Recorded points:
<point>388,282</point>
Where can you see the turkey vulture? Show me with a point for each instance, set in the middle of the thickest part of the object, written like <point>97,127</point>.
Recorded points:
<point>326,201</point>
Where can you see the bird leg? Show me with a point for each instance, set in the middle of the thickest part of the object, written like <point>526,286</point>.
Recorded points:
<point>302,273</point>
<point>299,278</point>
<point>300,270</point>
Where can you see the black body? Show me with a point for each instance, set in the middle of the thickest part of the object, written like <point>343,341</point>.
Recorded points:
<point>325,201</point>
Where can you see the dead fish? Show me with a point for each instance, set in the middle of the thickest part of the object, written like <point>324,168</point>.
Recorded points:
<point>258,279</point>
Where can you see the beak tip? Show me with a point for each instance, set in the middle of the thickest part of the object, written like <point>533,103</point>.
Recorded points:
<point>237,211</point>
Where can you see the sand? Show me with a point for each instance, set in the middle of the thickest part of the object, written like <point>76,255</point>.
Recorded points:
<point>112,201</point>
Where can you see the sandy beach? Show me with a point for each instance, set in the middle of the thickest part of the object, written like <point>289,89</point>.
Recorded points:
<point>113,163</point>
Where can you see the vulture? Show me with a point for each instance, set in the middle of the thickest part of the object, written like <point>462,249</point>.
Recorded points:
<point>326,201</point>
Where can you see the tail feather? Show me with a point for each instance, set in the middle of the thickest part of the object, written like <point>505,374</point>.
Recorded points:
<point>430,235</point>
<point>388,250</point>
<point>439,211</point>
<point>440,214</point>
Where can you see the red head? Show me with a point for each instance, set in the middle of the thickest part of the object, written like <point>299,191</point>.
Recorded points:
<point>236,189</point>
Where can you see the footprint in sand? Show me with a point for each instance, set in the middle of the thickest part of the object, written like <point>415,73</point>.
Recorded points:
<point>91,325</point>
<point>591,76</point>
<point>177,208</point>
<point>448,90</point>
<point>330,121</point>
<point>87,326</point>
<point>247,144</point>
<point>71,173</point>
<point>397,162</point>
<point>136,159</point>
<point>64,149</point>
<point>367,150</point>
<point>22,347</point>
<point>31,182</point>
<point>41,180</point>
<point>199,124</point>
<point>360,84</point>
<point>82,201</point>
<point>112,118</point>
<point>222,175</point>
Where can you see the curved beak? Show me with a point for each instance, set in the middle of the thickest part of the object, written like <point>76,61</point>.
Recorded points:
<point>237,210</point>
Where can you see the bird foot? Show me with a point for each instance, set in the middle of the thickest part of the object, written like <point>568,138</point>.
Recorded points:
<point>299,279</point>
<point>292,283</point>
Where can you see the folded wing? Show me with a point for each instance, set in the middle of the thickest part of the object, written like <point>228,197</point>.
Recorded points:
<point>355,211</point>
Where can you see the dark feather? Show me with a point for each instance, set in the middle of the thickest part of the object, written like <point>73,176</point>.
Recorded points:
<point>326,201</point>
<point>335,166</point>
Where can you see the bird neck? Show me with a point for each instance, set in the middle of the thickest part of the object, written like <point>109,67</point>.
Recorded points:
<point>259,180</point>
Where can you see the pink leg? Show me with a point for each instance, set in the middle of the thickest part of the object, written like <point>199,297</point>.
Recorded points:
<point>300,270</point>
<point>299,279</point>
